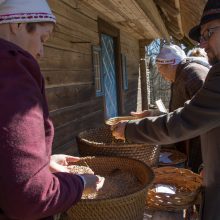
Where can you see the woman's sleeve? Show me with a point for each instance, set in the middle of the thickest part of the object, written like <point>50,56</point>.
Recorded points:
<point>28,189</point>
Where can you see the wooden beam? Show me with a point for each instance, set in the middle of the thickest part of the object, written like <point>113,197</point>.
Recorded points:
<point>179,19</point>
<point>143,74</point>
<point>151,11</point>
<point>176,35</point>
<point>173,28</point>
<point>170,10</point>
<point>133,14</point>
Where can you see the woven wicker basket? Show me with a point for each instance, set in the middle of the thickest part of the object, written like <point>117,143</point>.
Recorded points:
<point>128,207</point>
<point>100,142</point>
<point>187,186</point>
<point>178,159</point>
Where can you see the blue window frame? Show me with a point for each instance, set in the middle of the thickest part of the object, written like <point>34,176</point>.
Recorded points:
<point>97,70</point>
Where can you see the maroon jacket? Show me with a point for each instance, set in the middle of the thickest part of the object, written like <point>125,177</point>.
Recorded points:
<point>28,190</point>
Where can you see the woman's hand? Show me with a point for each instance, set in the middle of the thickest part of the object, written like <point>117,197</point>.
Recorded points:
<point>93,183</point>
<point>118,130</point>
<point>59,162</point>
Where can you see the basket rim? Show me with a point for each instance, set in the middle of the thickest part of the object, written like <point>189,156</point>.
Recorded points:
<point>142,189</point>
<point>191,195</point>
<point>97,144</point>
<point>116,198</point>
<point>181,160</point>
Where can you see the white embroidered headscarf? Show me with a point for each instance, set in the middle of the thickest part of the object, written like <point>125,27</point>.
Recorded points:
<point>170,54</point>
<point>25,11</point>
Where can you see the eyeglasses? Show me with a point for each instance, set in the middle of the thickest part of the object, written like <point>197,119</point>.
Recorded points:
<point>208,33</point>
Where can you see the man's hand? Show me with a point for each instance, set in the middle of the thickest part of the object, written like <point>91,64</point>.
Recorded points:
<point>143,114</point>
<point>118,130</point>
<point>59,162</point>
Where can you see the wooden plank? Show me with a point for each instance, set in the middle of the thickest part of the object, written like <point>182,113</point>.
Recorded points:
<point>179,19</point>
<point>130,31</point>
<point>73,35</point>
<point>128,9</point>
<point>87,10</point>
<point>74,4</point>
<point>90,6</point>
<point>133,84</point>
<point>63,96</point>
<point>143,75</point>
<point>66,115</point>
<point>131,15</point>
<point>68,132</point>
<point>150,9</point>
<point>76,27</point>
<point>132,11</point>
<point>69,148</point>
<point>172,11</point>
<point>107,8</point>
<point>65,76</point>
<point>73,15</point>
<point>58,59</point>
<point>63,42</point>
<point>131,104</point>
<point>128,43</point>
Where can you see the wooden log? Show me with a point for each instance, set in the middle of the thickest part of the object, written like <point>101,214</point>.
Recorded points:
<point>143,75</point>
<point>75,34</point>
<point>73,15</point>
<point>76,27</point>
<point>174,12</point>
<point>59,59</point>
<point>67,114</point>
<point>106,8</point>
<point>63,96</point>
<point>69,148</point>
<point>67,132</point>
<point>67,76</point>
<point>62,42</point>
<point>150,9</point>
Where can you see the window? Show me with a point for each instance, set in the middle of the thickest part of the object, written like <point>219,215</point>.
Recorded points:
<point>124,71</point>
<point>98,78</point>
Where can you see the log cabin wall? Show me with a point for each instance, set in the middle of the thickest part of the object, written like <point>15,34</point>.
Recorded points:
<point>67,68</point>
<point>130,47</point>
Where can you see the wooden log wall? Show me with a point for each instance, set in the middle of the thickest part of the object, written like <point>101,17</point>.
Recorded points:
<point>67,68</point>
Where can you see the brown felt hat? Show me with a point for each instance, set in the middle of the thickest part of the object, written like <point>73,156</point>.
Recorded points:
<point>210,12</point>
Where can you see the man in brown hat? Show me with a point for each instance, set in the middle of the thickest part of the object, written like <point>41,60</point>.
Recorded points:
<point>199,116</point>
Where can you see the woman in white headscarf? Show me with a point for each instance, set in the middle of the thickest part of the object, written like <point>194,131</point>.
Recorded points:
<point>34,184</point>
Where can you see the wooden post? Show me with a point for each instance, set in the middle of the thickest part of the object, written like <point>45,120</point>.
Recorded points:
<point>143,74</point>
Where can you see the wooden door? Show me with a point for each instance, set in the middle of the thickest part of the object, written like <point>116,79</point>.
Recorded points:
<point>109,73</point>
<point>111,67</point>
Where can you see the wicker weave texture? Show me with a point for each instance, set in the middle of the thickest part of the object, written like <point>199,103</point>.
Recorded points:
<point>176,157</point>
<point>187,184</point>
<point>100,142</point>
<point>128,207</point>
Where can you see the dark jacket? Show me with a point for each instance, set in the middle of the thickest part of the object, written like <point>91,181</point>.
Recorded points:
<point>190,76</point>
<point>200,116</point>
<point>28,190</point>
